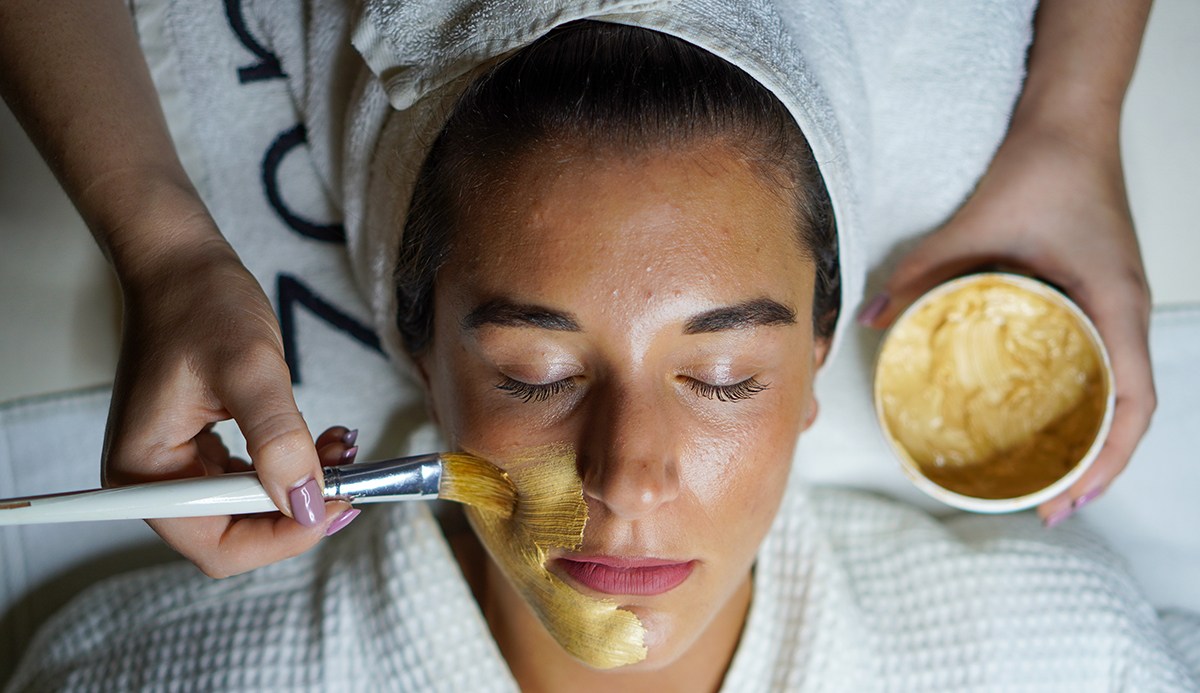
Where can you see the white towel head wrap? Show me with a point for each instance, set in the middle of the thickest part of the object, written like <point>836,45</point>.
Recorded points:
<point>420,56</point>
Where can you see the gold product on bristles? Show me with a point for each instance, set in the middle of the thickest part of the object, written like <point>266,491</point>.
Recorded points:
<point>477,482</point>
<point>551,512</point>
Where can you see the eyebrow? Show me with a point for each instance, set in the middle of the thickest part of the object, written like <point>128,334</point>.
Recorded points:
<point>503,312</point>
<point>759,312</point>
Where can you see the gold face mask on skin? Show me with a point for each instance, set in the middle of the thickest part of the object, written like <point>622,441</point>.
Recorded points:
<point>994,386</point>
<point>551,512</point>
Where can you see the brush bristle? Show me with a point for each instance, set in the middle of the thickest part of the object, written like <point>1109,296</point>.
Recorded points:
<point>474,481</point>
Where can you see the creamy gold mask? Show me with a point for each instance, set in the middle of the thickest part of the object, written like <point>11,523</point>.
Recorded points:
<point>551,512</point>
<point>994,387</point>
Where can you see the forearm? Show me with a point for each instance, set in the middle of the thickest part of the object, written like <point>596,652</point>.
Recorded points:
<point>1080,64</point>
<point>72,72</point>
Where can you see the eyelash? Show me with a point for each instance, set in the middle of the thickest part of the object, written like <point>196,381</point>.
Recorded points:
<point>530,392</point>
<point>728,393</point>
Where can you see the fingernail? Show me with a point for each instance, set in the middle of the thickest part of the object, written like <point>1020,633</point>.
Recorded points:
<point>308,507</point>
<point>1087,498</point>
<point>348,456</point>
<point>872,310</point>
<point>1058,516</point>
<point>350,437</point>
<point>343,520</point>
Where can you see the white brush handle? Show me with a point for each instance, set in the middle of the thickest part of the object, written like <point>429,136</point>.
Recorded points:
<point>226,494</point>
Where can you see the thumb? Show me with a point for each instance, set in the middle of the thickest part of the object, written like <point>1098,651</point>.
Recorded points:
<point>278,440</point>
<point>934,261</point>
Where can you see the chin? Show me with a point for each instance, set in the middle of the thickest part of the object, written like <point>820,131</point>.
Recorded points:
<point>665,644</point>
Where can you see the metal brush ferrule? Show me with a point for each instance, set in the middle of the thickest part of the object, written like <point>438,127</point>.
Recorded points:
<point>407,478</point>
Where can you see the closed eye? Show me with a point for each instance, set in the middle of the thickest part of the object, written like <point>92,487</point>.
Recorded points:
<point>534,392</point>
<point>728,393</point>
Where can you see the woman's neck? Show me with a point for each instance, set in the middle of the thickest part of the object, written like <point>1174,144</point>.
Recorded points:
<point>540,665</point>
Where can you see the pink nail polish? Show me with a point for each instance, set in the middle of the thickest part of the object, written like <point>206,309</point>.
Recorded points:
<point>343,520</point>
<point>350,437</point>
<point>1087,498</point>
<point>348,456</point>
<point>1058,516</point>
<point>872,310</point>
<point>308,507</point>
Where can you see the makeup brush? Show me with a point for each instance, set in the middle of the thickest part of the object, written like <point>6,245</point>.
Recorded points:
<point>451,476</point>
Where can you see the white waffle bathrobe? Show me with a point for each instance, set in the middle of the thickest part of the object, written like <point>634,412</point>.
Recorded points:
<point>852,593</point>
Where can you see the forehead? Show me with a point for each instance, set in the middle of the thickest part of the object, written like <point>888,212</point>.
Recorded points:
<point>581,224</point>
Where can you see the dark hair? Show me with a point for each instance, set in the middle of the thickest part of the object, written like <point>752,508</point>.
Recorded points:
<point>620,89</point>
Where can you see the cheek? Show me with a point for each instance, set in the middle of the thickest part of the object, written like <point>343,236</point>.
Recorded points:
<point>474,416</point>
<point>743,463</point>
<point>737,491</point>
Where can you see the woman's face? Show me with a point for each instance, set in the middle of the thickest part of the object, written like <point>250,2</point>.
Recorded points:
<point>654,313</point>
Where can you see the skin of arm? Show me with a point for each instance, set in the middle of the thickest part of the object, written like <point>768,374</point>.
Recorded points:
<point>200,342</point>
<point>1053,202</point>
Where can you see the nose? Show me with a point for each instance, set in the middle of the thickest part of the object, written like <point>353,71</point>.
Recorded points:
<point>631,465</point>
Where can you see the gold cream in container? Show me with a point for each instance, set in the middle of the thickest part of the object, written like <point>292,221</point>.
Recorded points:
<point>995,391</point>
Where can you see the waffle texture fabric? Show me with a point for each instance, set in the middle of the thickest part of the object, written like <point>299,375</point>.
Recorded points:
<point>851,593</point>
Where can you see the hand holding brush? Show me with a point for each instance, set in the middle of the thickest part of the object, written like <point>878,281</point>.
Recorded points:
<point>451,476</point>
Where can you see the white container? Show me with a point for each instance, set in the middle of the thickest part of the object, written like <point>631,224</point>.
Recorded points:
<point>964,324</point>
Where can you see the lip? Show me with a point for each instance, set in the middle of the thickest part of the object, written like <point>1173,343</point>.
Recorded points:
<point>627,576</point>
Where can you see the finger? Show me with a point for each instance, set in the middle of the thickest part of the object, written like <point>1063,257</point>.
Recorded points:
<point>937,259</point>
<point>1121,318</point>
<point>337,454</point>
<point>336,446</point>
<point>224,546</point>
<point>336,434</point>
<point>1130,421</point>
<point>259,397</point>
